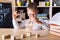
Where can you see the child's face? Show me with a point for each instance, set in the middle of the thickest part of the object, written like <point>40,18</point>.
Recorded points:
<point>31,13</point>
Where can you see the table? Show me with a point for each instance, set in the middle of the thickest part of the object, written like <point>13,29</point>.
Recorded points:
<point>11,31</point>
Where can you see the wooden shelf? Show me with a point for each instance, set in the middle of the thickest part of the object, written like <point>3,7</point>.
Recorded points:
<point>43,6</point>
<point>55,6</point>
<point>20,6</point>
<point>37,6</point>
<point>7,1</point>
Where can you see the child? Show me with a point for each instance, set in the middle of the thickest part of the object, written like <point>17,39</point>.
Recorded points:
<point>32,12</point>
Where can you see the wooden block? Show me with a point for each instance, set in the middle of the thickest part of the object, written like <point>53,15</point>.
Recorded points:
<point>6,36</point>
<point>37,35</point>
<point>23,36</point>
<point>13,38</point>
<point>18,38</point>
<point>28,34</point>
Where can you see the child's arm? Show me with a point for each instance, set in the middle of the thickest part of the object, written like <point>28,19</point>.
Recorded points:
<point>14,16</point>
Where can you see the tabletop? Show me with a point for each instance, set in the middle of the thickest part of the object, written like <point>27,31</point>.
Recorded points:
<point>18,32</point>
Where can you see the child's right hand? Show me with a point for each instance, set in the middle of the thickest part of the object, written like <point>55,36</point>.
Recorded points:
<point>15,15</point>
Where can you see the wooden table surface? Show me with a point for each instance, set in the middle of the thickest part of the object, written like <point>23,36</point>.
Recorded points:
<point>20,31</point>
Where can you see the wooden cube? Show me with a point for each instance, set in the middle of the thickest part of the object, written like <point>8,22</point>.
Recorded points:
<point>6,36</point>
<point>13,37</point>
<point>37,35</point>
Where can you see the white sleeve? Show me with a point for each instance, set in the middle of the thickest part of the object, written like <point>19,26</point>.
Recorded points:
<point>15,24</point>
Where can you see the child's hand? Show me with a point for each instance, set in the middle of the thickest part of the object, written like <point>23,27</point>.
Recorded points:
<point>15,14</point>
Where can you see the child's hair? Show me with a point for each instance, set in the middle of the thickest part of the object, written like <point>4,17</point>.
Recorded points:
<point>32,6</point>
